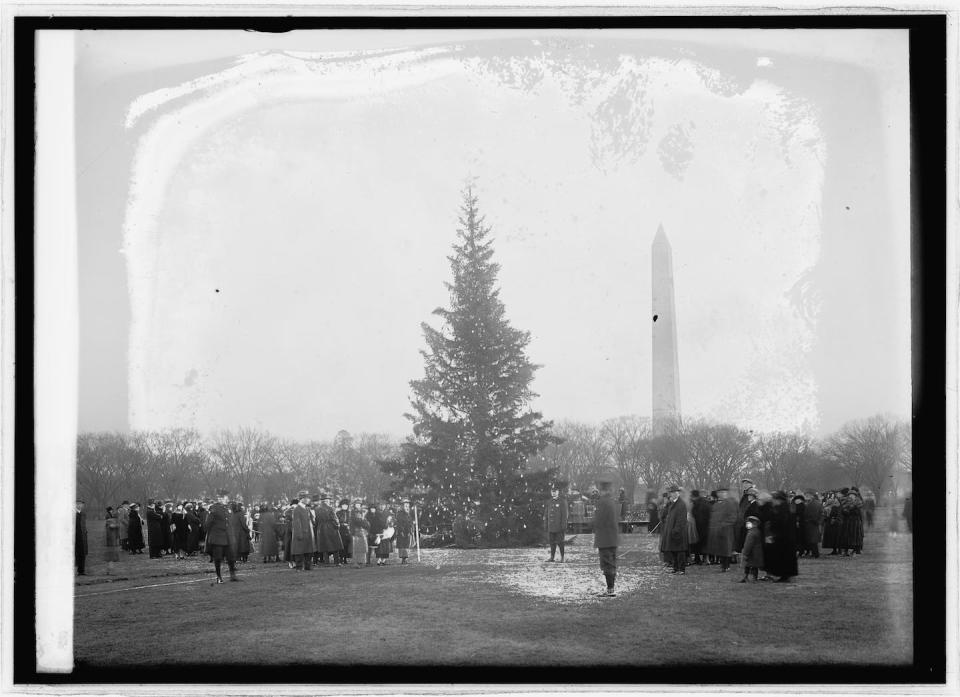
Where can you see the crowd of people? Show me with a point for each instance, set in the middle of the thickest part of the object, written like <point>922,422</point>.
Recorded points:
<point>303,532</point>
<point>764,531</point>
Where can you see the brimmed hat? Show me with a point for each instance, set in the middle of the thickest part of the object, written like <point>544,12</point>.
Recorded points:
<point>343,501</point>
<point>752,518</point>
<point>222,492</point>
<point>405,501</point>
<point>357,500</point>
<point>798,496</point>
<point>752,491</point>
<point>673,488</point>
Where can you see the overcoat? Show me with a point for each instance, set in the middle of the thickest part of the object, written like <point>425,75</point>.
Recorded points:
<point>328,530</point>
<point>753,548</point>
<point>377,524</point>
<point>81,534</point>
<point>135,532</point>
<point>556,514</point>
<point>701,516</point>
<point>193,534</point>
<point>343,521</point>
<point>218,532</point>
<point>675,533</point>
<point>241,534</point>
<point>832,524</point>
<point>269,534</point>
<point>851,532</point>
<point>721,536</point>
<point>124,518</point>
<point>404,528</point>
<point>166,534</point>
<point>180,532</point>
<point>111,540</point>
<point>812,515</point>
<point>154,532</point>
<point>741,521</point>
<point>780,539</point>
<point>606,531</point>
<point>301,532</point>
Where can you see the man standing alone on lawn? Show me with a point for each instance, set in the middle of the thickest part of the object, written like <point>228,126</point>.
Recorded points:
<point>606,535</point>
<point>218,536</point>
<point>675,540</point>
<point>556,521</point>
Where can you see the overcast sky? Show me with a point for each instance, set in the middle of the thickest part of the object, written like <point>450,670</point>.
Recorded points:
<point>264,220</point>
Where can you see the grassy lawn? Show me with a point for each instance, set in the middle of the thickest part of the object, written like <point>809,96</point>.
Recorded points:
<point>499,607</point>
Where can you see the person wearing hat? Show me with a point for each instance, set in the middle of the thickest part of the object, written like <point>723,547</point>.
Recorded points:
<point>302,545</point>
<point>721,535</point>
<point>674,540</point>
<point>287,522</point>
<point>218,525</point>
<point>606,535</point>
<point>80,544</point>
<point>269,535</point>
<point>555,519</point>
<point>192,520</point>
<point>343,529</point>
<point>359,529</point>
<point>742,513</point>
<point>780,538</point>
<point>154,528</point>
<point>851,532</point>
<point>403,523</point>
<point>111,539</point>
<point>135,530</point>
<point>752,552</point>
<point>123,518</point>
<point>700,510</point>
<point>378,523</point>
<point>167,528</point>
<point>812,515</point>
<point>329,543</point>
<point>832,522</point>
<point>798,505</point>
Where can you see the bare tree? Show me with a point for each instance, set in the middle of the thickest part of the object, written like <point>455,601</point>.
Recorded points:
<point>580,457</point>
<point>103,468</point>
<point>868,450</point>
<point>625,439</point>
<point>244,455</point>
<point>782,460</point>
<point>717,453</point>
<point>665,457</point>
<point>175,456</point>
<point>289,471</point>
<point>372,449</point>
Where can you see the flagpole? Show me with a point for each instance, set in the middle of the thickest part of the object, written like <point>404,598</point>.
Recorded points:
<point>416,521</point>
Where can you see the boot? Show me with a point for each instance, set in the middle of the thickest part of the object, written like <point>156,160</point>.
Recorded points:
<point>233,575</point>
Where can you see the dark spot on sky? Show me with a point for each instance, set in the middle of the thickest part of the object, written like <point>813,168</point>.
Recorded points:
<point>655,317</point>
<point>847,207</point>
<point>216,290</point>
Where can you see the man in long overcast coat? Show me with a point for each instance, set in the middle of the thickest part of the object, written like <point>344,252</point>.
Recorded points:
<point>606,535</point>
<point>676,535</point>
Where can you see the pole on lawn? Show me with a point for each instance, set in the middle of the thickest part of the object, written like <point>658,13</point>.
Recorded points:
<point>416,522</point>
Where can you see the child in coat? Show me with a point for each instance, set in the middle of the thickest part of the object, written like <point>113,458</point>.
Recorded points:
<point>752,554</point>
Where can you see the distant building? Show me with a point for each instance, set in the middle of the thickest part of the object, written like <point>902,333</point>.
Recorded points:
<point>666,368</point>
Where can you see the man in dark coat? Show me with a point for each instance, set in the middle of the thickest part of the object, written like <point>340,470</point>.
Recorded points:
<point>328,530</point>
<point>302,545</point>
<point>812,515</point>
<point>908,512</point>
<point>675,540</point>
<point>555,519</point>
<point>701,518</point>
<point>606,535</point>
<point>166,528</point>
<point>745,486</point>
<point>722,534</point>
<point>217,526</point>
<point>193,529</point>
<point>780,538</point>
<point>80,545</point>
<point>798,510</point>
<point>155,529</point>
<point>135,530</point>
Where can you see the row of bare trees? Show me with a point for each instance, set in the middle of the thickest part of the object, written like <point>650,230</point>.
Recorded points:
<point>703,454</point>
<point>183,464</point>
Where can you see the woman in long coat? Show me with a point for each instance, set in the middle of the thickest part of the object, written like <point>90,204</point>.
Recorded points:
<point>269,547</point>
<point>193,529</point>
<point>241,533</point>
<point>155,530</point>
<point>359,529</point>
<point>404,526</point>
<point>833,522</point>
<point>180,532</point>
<point>328,531</point>
<point>343,525</point>
<point>721,536</point>
<point>111,549</point>
<point>377,525</point>
<point>851,531</point>
<point>780,538</point>
<point>302,544</point>
<point>135,530</point>
<point>676,539</point>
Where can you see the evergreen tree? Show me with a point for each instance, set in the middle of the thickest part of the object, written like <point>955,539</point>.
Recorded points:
<point>473,430</point>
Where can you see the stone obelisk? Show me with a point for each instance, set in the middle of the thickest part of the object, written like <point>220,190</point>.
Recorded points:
<point>666,370</point>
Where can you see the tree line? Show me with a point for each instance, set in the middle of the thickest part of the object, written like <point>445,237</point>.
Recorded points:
<point>703,454</point>
<point>183,464</point>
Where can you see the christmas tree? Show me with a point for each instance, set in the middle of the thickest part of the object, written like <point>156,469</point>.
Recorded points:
<point>473,429</point>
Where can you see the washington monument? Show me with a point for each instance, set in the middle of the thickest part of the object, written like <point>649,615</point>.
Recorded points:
<point>666,370</point>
